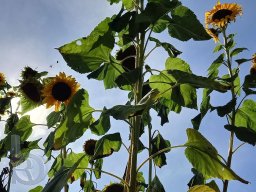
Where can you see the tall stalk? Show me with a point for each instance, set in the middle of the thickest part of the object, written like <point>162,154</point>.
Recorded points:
<point>136,122</point>
<point>150,163</point>
<point>233,113</point>
<point>64,156</point>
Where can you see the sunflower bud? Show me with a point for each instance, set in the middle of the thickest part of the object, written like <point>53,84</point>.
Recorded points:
<point>114,187</point>
<point>89,147</point>
<point>28,73</point>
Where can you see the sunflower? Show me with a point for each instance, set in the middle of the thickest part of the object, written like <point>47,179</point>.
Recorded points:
<point>114,187</point>
<point>213,33</point>
<point>89,147</point>
<point>222,14</point>
<point>2,79</point>
<point>31,89</point>
<point>28,72</point>
<point>59,90</point>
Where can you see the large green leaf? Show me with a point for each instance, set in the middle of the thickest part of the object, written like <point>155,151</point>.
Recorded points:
<point>23,128</point>
<point>202,188</point>
<point>244,134</point>
<point>199,81</point>
<point>53,118</point>
<point>87,54</point>
<point>184,25</point>
<point>204,157</point>
<point>102,125</point>
<point>68,162</point>
<point>77,120</point>
<point>159,143</point>
<point>61,177</point>
<point>128,4</point>
<point>246,115</point>
<point>226,109</point>
<point>213,69</point>
<point>108,72</point>
<point>107,145</point>
<point>36,189</point>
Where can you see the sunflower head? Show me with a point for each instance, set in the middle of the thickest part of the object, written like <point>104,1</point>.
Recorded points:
<point>28,73</point>
<point>213,33</point>
<point>31,89</point>
<point>114,187</point>
<point>89,147</point>
<point>222,14</point>
<point>59,90</point>
<point>127,58</point>
<point>2,79</point>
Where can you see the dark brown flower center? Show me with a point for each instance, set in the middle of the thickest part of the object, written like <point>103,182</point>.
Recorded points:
<point>61,91</point>
<point>89,147</point>
<point>221,14</point>
<point>115,188</point>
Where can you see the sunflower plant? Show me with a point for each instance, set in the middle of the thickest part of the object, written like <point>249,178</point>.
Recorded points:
<point>117,53</point>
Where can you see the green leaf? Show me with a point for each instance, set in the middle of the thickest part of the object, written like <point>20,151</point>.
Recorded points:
<point>53,118</point>
<point>246,115</point>
<point>213,69</point>
<point>68,162</point>
<point>89,186</point>
<point>128,4</point>
<point>244,134</point>
<point>4,104</point>
<point>128,78</point>
<point>23,128</point>
<point>121,21</point>
<point>141,185</point>
<point>107,145</point>
<point>226,109</point>
<point>87,54</point>
<point>122,112</point>
<point>241,61</point>
<point>199,81</point>
<point>204,157</point>
<point>27,104</point>
<point>102,125</point>
<point>48,145</point>
<point>161,24</point>
<point>249,81</point>
<point>61,177</point>
<point>169,48</point>
<point>202,188</point>
<point>159,143</point>
<point>218,48</point>
<point>237,51</point>
<point>156,186</point>
<point>108,72</point>
<point>204,108</point>
<point>98,166</point>
<point>185,25</point>
<point>197,179</point>
<point>177,64</point>
<point>77,120</point>
<point>36,189</point>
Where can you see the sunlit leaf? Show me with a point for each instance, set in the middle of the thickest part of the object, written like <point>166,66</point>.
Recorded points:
<point>213,69</point>
<point>36,189</point>
<point>184,25</point>
<point>23,128</point>
<point>87,54</point>
<point>77,120</point>
<point>107,145</point>
<point>102,125</point>
<point>53,118</point>
<point>204,157</point>
<point>98,166</point>
<point>61,177</point>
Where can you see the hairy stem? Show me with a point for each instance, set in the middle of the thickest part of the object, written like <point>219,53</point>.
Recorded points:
<point>233,113</point>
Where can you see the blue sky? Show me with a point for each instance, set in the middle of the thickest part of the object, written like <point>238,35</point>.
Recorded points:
<point>30,30</point>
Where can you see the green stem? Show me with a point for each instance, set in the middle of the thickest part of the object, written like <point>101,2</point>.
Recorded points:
<point>233,113</point>
<point>135,130</point>
<point>150,163</point>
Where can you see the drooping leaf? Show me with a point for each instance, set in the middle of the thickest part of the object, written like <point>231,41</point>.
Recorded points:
<point>197,179</point>
<point>89,186</point>
<point>53,118</point>
<point>226,109</point>
<point>161,24</point>
<point>241,61</point>
<point>27,104</point>
<point>107,145</point>
<point>156,186</point>
<point>61,177</point>
<point>87,54</point>
<point>98,166</point>
<point>77,120</point>
<point>141,183</point>
<point>246,115</point>
<point>159,143</point>
<point>121,21</point>
<point>102,125</point>
<point>23,128</point>
<point>184,25</point>
<point>204,108</point>
<point>204,157</point>
<point>199,81</point>
<point>244,134</point>
<point>171,50</point>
